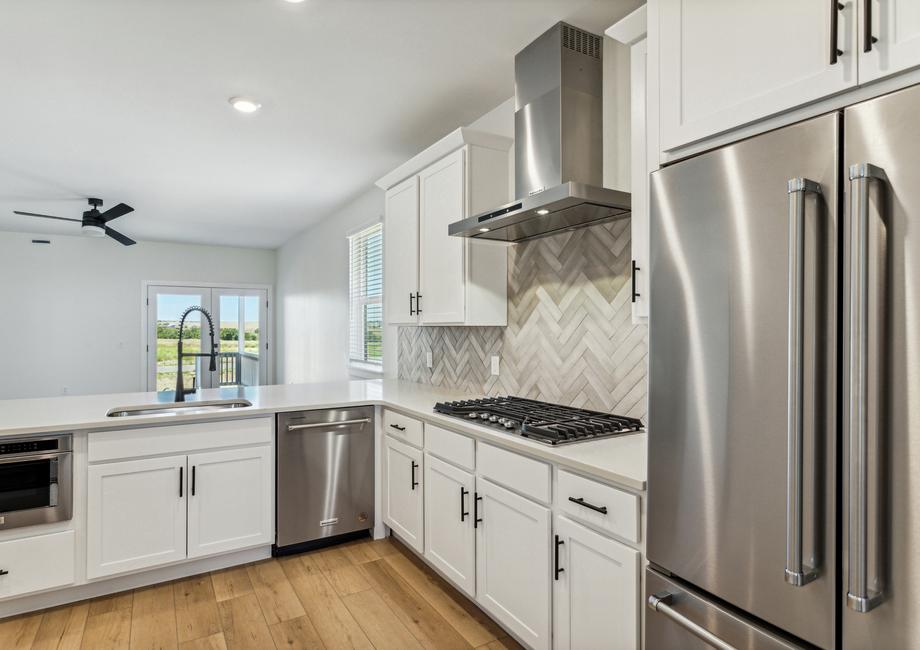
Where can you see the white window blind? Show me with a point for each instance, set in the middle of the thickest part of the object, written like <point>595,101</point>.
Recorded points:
<point>365,314</point>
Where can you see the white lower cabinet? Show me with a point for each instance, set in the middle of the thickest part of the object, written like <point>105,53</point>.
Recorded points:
<point>36,563</point>
<point>230,498</point>
<point>595,591</point>
<point>450,542</point>
<point>403,500</point>
<point>154,511</point>
<point>513,564</point>
<point>136,515</point>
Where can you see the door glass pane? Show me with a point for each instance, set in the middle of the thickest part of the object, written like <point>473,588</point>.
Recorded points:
<point>169,309</point>
<point>240,340</point>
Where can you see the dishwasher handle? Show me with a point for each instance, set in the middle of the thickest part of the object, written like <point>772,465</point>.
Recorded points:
<point>320,425</point>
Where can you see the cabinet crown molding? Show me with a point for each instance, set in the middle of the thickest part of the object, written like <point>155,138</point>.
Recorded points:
<point>451,142</point>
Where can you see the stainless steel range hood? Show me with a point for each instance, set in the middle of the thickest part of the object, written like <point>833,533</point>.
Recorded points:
<point>558,143</point>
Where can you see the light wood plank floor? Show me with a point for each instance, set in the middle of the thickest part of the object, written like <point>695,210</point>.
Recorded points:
<point>364,594</point>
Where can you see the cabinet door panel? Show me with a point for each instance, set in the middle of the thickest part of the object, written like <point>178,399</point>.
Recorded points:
<point>136,515</point>
<point>896,25</point>
<point>450,543</point>
<point>513,562</point>
<point>400,252</point>
<point>725,64</point>
<point>442,200</point>
<point>403,497</point>
<point>596,595</point>
<point>230,500</point>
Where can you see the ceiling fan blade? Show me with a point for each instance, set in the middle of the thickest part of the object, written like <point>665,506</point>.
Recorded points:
<point>117,236</point>
<point>45,216</point>
<point>115,212</point>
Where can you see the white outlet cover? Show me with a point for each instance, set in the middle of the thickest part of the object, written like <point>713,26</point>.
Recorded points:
<point>428,359</point>
<point>495,364</point>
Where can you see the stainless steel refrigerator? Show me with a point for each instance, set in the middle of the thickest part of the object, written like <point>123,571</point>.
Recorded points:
<point>784,405</point>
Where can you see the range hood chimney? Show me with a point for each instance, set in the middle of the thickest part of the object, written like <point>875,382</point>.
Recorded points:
<point>558,143</point>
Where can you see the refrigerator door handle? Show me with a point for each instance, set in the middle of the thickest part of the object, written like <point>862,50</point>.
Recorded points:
<point>860,597</point>
<point>661,603</point>
<point>797,573</point>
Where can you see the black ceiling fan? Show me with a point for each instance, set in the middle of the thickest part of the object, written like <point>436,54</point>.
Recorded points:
<point>93,221</point>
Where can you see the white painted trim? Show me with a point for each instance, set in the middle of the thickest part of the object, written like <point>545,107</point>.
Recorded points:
<point>354,231</point>
<point>269,319</point>
<point>446,145</point>
<point>61,596</point>
<point>630,29</point>
<point>797,114</point>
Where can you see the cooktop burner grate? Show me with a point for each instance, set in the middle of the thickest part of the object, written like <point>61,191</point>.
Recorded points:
<point>551,424</point>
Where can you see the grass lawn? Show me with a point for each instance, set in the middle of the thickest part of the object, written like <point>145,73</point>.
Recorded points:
<point>167,353</point>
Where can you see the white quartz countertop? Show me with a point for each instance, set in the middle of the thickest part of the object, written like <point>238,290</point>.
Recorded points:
<point>621,459</point>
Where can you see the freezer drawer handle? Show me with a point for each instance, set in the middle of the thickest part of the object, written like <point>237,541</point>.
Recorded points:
<point>580,501</point>
<point>859,597</point>
<point>797,573</point>
<point>661,603</point>
<point>320,425</point>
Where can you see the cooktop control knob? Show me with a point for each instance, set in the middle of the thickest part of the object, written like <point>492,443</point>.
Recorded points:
<point>483,416</point>
<point>494,418</point>
<point>473,415</point>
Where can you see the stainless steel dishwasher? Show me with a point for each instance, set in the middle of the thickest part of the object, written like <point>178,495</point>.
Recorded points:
<point>325,477</point>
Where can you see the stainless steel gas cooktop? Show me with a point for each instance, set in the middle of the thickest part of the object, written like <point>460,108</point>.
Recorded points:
<point>551,424</point>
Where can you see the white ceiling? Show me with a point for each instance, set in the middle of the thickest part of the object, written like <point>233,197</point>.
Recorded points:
<point>127,100</point>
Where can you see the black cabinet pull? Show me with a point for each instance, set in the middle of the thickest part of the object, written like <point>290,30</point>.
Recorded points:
<point>463,513</point>
<point>414,482</point>
<point>558,569</point>
<point>418,303</point>
<point>180,481</point>
<point>397,427</point>
<point>635,267</point>
<point>476,519</point>
<point>868,38</point>
<point>4,572</point>
<point>590,506</point>
<point>836,8</point>
<point>193,480</point>
<point>411,306</point>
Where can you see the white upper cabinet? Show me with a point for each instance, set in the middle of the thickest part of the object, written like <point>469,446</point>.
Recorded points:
<point>230,500</point>
<point>725,64</point>
<point>429,277</point>
<point>889,37</point>
<point>441,258</point>
<point>400,260</point>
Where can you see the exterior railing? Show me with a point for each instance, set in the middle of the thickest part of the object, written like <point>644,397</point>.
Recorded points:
<point>238,368</point>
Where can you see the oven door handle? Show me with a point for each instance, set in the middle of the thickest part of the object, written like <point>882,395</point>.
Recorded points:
<point>27,457</point>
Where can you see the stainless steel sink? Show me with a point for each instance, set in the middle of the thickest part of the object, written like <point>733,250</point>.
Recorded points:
<point>178,408</point>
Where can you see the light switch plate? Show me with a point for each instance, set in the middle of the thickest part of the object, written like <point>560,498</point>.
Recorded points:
<point>428,359</point>
<point>495,364</point>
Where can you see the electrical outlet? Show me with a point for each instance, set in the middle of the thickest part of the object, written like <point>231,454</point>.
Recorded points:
<point>428,359</point>
<point>495,364</point>
<point>64,390</point>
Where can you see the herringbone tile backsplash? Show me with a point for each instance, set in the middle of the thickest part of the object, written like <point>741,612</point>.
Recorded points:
<point>570,337</point>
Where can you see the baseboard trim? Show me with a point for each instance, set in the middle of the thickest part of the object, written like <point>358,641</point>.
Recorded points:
<point>106,586</point>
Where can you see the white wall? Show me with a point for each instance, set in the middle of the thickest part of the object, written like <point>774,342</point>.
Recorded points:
<point>70,312</point>
<point>312,290</point>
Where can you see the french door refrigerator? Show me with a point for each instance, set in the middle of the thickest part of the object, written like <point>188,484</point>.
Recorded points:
<point>784,403</point>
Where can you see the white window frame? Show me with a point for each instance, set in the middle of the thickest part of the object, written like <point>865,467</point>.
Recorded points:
<point>239,286</point>
<point>360,367</point>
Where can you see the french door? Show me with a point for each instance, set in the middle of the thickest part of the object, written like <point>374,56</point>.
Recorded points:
<point>240,328</point>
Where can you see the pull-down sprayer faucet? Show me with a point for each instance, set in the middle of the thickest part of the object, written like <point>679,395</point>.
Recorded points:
<point>181,390</point>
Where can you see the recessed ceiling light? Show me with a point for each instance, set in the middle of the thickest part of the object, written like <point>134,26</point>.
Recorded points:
<point>294,2</point>
<point>483,230</point>
<point>245,104</point>
<point>542,212</point>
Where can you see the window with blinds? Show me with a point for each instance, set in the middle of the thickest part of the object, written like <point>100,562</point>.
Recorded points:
<point>365,313</point>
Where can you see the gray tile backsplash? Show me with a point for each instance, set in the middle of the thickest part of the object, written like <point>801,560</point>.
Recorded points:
<point>569,339</point>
